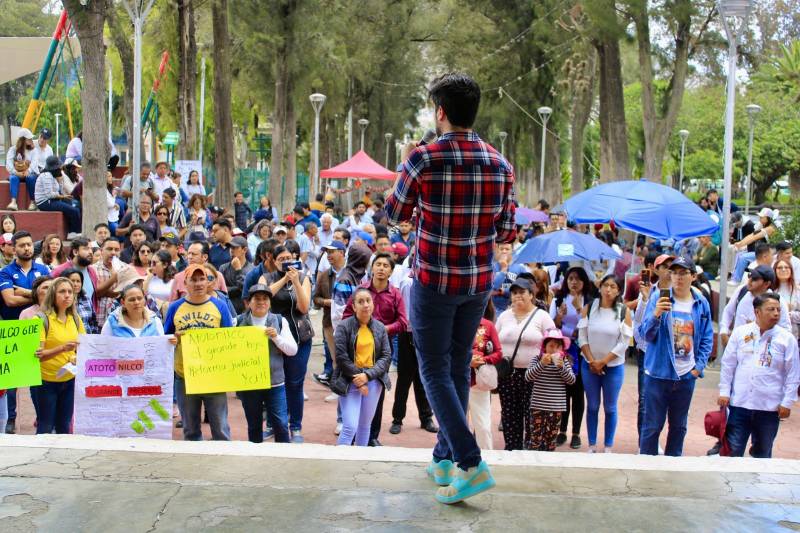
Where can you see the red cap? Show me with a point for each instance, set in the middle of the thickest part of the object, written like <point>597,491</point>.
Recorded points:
<point>400,249</point>
<point>663,257</point>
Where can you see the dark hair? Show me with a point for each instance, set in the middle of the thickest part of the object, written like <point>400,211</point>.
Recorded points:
<point>110,239</point>
<point>267,246</point>
<point>203,244</point>
<point>299,210</point>
<point>544,204</point>
<point>169,270</point>
<point>77,243</point>
<point>136,261</point>
<point>35,286</point>
<point>318,197</point>
<point>101,225</point>
<point>712,191</point>
<point>238,193</point>
<point>224,222</point>
<point>292,246</point>
<point>47,256</point>
<point>588,290</point>
<point>762,249</point>
<point>650,258</point>
<point>361,202</point>
<point>127,288</point>
<point>134,227</point>
<point>489,311</point>
<point>384,255</point>
<point>620,287</point>
<point>10,217</point>
<point>196,197</point>
<point>381,236</point>
<point>761,299</point>
<point>67,272</point>
<point>21,234</point>
<point>459,96</point>
<point>169,191</point>
<point>345,234</point>
<point>358,290</point>
<point>783,246</point>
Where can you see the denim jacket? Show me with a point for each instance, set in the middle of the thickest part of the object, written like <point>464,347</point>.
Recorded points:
<point>659,357</point>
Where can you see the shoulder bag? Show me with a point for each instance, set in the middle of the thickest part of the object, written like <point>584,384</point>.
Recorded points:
<point>505,366</point>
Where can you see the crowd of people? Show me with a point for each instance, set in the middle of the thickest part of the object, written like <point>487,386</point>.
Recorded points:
<point>552,339</point>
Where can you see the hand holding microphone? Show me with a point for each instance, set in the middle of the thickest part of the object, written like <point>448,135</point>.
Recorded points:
<point>427,138</point>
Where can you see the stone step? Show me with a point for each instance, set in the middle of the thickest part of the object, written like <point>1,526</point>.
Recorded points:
<point>38,223</point>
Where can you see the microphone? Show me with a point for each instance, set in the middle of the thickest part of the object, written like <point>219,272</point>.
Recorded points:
<point>428,138</point>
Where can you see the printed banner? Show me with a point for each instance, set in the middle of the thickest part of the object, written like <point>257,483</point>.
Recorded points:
<point>123,387</point>
<point>19,366</point>
<point>225,359</point>
<point>185,166</point>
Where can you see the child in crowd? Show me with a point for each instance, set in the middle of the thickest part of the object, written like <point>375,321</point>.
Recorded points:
<point>550,372</point>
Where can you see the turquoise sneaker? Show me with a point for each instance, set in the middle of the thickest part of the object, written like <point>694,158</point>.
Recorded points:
<point>441,472</point>
<point>466,484</point>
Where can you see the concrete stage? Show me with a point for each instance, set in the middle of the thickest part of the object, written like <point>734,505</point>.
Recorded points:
<point>73,483</point>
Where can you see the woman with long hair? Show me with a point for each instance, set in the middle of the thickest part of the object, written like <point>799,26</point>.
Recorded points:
<point>604,333</point>
<point>261,232</point>
<point>193,186</point>
<point>19,163</point>
<point>55,397</point>
<point>198,214</point>
<point>541,293</point>
<point>142,255</point>
<point>53,254</point>
<point>160,276</point>
<point>38,293</point>
<point>746,248</point>
<point>576,291</point>
<point>82,302</point>
<point>9,223</point>
<point>789,292</point>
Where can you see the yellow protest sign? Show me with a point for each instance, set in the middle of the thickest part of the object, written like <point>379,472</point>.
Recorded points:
<point>225,359</point>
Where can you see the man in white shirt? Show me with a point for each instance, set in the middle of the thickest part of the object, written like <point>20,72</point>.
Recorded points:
<point>309,248</point>
<point>739,310</point>
<point>759,376</point>
<point>161,181</point>
<point>326,231</point>
<point>41,151</point>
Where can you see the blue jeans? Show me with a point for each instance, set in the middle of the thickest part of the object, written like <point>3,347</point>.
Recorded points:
<point>742,260</point>
<point>12,404</point>
<point>216,407</point>
<point>274,401</point>
<point>294,369</point>
<point>3,412</point>
<point>30,185</point>
<point>357,413</point>
<point>665,399</point>
<point>72,213</point>
<point>56,401</point>
<point>760,426</point>
<point>610,384</point>
<point>640,388</point>
<point>444,329</point>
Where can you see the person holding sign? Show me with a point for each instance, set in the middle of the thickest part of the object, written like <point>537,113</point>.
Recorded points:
<point>363,356</point>
<point>281,344</point>
<point>198,310</point>
<point>133,318</point>
<point>55,397</point>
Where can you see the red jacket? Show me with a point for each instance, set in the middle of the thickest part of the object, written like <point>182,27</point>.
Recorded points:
<point>487,345</point>
<point>389,308</point>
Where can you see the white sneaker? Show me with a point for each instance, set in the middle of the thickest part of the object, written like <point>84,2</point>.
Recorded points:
<point>305,397</point>
<point>660,450</point>
<point>608,450</point>
<point>32,206</point>
<point>12,205</point>
<point>331,398</point>
<point>592,449</point>
<point>338,429</point>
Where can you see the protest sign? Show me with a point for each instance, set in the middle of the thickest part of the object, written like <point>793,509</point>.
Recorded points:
<point>225,359</point>
<point>19,366</point>
<point>185,166</point>
<point>123,387</point>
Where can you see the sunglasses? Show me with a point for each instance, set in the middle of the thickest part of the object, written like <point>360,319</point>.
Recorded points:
<point>160,213</point>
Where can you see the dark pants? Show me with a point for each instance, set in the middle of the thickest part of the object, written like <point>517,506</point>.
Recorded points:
<point>295,370</point>
<point>254,402</point>
<point>377,418</point>
<point>575,405</point>
<point>71,212</point>
<point>444,328</point>
<point>56,402</point>
<point>327,367</point>
<point>760,426</point>
<point>515,409</point>
<point>640,388</point>
<point>665,399</point>
<point>11,394</point>
<point>408,375</point>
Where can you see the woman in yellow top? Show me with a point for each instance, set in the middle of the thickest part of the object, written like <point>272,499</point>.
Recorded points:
<point>363,356</point>
<point>62,325</point>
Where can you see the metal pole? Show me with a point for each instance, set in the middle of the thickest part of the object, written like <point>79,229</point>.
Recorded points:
<point>110,97</point>
<point>388,137</point>
<point>137,112</point>
<point>350,132</point>
<point>752,111</point>
<point>316,152</point>
<point>202,114</point>
<point>541,163</point>
<point>58,115</point>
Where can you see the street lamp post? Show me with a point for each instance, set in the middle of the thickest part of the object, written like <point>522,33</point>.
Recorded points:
<point>544,114</point>
<point>752,111</point>
<point>317,101</point>
<point>58,115</point>
<point>734,15</point>
<point>388,136</point>
<point>363,123</point>
<point>684,135</point>
<point>502,136</point>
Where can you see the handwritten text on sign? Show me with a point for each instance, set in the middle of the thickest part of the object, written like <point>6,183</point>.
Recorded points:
<point>225,359</point>
<point>19,366</point>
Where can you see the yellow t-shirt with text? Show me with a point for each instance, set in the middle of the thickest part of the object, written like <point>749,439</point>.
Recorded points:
<point>59,333</point>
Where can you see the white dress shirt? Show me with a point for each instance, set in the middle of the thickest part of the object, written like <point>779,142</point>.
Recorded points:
<point>736,315</point>
<point>760,372</point>
<point>39,157</point>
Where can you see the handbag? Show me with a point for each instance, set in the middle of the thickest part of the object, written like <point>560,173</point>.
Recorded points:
<point>486,378</point>
<point>339,384</point>
<point>305,331</point>
<point>505,366</point>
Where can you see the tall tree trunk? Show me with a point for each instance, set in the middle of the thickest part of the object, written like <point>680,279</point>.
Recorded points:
<point>581,110</point>
<point>223,122</point>
<point>290,194</point>
<point>276,172</point>
<point>88,22</point>
<point>122,42</point>
<point>187,80</point>
<point>614,163</point>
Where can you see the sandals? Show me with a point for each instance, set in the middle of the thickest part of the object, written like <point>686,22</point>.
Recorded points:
<point>466,484</point>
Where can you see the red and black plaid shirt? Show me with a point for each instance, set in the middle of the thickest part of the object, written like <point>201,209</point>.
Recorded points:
<point>464,195</point>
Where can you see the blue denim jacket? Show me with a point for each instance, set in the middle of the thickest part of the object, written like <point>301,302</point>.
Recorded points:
<point>659,357</point>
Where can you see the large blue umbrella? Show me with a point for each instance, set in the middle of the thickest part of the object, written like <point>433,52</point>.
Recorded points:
<point>564,245</point>
<point>641,206</point>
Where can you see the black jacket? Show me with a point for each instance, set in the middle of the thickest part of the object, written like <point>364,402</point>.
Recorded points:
<point>346,335</point>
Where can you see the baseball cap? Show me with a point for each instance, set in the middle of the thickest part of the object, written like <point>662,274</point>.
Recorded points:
<point>683,262</point>
<point>24,133</point>
<point>400,249</point>
<point>8,237</point>
<point>279,229</point>
<point>260,287</point>
<point>171,238</point>
<point>45,133</point>
<point>661,258</point>
<point>364,236</point>
<point>71,161</point>
<point>334,245</point>
<point>192,268</point>
<point>763,272</point>
<point>239,242</point>
<point>522,283</point>
<point>766,212</point>
<point>217,210</point>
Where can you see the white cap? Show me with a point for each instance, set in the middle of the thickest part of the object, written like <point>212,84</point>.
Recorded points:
<point>279,229</point>
<point>24,132</point>
<point>766,212</point>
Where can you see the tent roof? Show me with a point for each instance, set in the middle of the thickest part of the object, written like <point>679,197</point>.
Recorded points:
<point>359,166</point>
<point>25,55</point>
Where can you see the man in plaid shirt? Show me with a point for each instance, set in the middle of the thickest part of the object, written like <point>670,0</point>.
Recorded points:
<point>463,191</point>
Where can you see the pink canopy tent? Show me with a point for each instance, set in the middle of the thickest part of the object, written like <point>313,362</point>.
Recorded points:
<point>359,166</point>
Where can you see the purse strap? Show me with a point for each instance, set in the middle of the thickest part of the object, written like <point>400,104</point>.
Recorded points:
<point>519,340</point>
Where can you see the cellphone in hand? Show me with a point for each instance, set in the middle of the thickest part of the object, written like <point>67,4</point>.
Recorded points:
<point>286,265</point>
<point>663,293</point>
<point>645,276</point>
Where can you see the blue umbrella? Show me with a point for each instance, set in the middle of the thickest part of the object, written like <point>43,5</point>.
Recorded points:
<point>524,215</point>
<point>641,206</point>
<point>564,245</point>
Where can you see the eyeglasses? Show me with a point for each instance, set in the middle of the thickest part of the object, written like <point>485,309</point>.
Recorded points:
<point>782,267</point>
<point>680,273</point>
<point>161,213</point>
